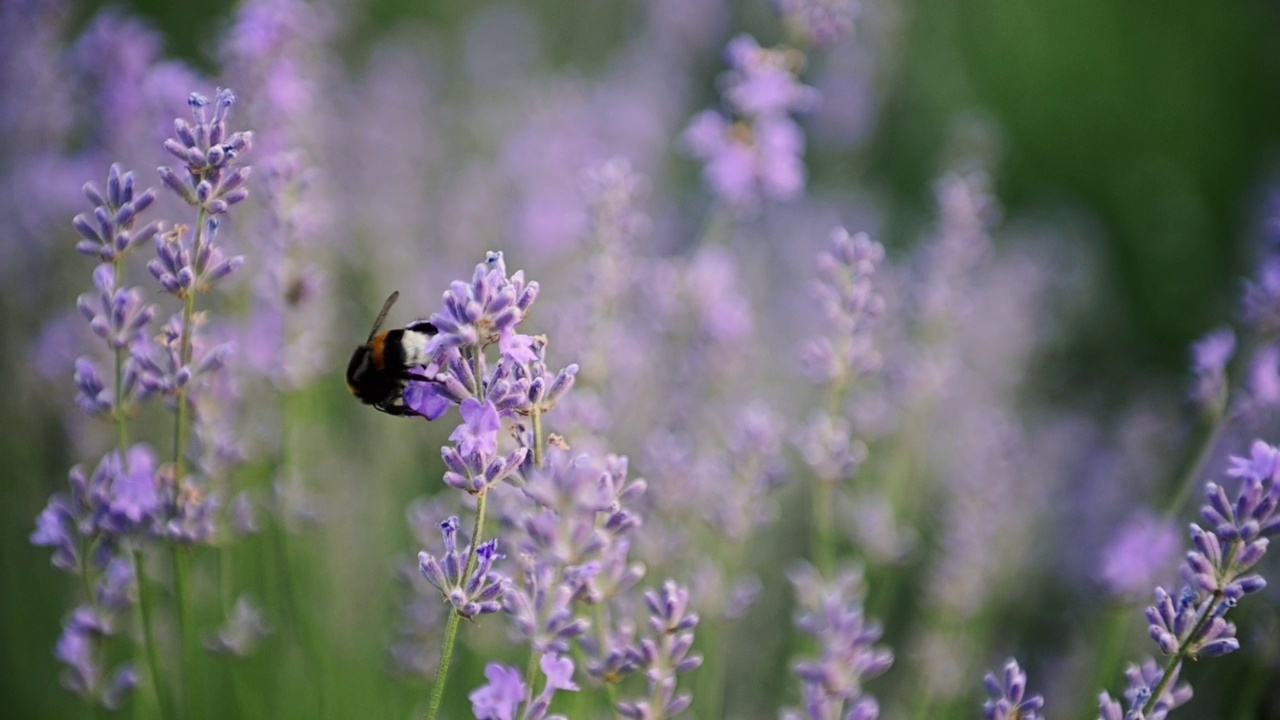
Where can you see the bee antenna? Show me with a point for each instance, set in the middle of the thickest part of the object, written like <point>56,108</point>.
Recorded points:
<point>386,307</point>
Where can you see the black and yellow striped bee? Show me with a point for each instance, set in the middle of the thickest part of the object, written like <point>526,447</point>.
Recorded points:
<point>382,367</point>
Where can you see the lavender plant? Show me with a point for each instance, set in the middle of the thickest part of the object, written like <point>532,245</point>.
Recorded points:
<point>131,504</point>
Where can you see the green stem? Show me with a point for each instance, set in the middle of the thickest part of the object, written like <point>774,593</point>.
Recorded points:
<point>1110,652</point>
<point>442,670</point>
<point>149,641</point>
<point>185,633</point>
<point>824,493</point>
<point>477,361</point>
<point>538,451</point>
<point>824,496</point>
<point>1192,476</point>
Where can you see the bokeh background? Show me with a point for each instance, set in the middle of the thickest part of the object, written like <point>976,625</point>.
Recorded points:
<point>1131,149</point>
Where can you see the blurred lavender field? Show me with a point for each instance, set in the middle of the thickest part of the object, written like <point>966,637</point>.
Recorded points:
<point>789,359</point>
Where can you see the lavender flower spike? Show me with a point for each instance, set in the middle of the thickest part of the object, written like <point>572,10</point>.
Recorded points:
<point>478,594</point>
<point>109,231</point>
<point>1193,623</point>
<point>210,177</point>
<point>665,654</point>
<point>1009,699</point>
<point>831,613</point>
<point>1141,679</point>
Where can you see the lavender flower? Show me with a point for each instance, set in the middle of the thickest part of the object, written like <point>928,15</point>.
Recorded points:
<point>1217,572</point>
<point>506,697</point>
<point>477,593</point>
<point>477,314</point>
<point>1210,357</point>
<point>210,178</point>
<point>665,654</point>
<point>1141,679</point>
<point>1009,699</point>
<point>84,675</point>
<point>1141,552</point>
<point>748,164</point>
<point>162,368</point>
<point>111,230</point>
<point>499,698</point>
<point>831,612</point>
<point>762,82</point>
<point>818,22</point>
<point>850,306</point>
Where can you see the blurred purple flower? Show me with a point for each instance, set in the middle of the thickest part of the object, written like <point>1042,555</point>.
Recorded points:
<point>819,22</point>
<point>559,672</point>
<point>762,82</point>
<point>746,164</point>
<point>1209,362</point>
<point>56,528</point>
<point>427,399</point>
<point>499,698</point>
<point>664,655</point>
<point>1143,551</point>
<point>1263,462</point>
<point>850,306</point>
<point>831,612</point>
<point>133,502</point>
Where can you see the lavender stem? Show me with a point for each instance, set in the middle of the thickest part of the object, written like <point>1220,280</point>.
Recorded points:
<point>451,628</point>
<point>149,640</point>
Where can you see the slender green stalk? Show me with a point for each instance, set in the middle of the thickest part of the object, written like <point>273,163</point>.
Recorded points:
<point>1110,652</point>
<point>149,641</point>
<point>442,670</point>
<point>186,634</point>
<point>1192,476</point>
<point>539,451</point>
<point>824,493</point>
<point>180,430</point>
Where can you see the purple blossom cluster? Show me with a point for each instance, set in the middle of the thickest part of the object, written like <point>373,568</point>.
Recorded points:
<point>831,612</point>
<point>567,517</point>
<point>754,153</point>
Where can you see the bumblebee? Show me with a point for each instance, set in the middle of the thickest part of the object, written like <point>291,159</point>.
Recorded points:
<point>382,367</point>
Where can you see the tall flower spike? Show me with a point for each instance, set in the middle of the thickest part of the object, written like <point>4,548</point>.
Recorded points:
<point>831,612</point>
<point>665,653</point>
<point>1193,623</point>
<point>210,177</point>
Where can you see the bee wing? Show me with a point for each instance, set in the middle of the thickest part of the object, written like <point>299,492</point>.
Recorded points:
<point>386,308</point>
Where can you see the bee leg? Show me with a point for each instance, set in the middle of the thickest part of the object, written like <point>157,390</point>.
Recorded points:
<point>417,377</point>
